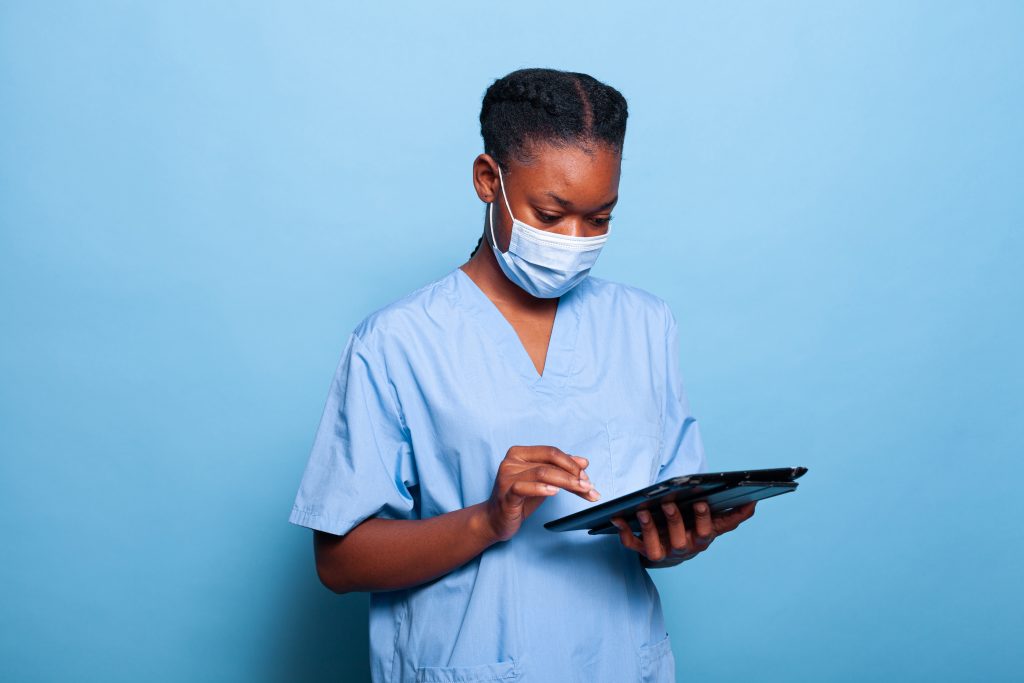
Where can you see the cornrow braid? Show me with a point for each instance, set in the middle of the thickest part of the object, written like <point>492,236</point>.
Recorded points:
<point>530,106</point>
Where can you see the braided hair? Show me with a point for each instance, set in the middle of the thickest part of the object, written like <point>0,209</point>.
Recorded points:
<point>548,106</point>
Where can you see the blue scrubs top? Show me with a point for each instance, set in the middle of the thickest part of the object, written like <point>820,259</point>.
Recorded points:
<point>430,393</point>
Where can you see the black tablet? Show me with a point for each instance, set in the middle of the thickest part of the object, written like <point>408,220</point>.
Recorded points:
<point>722,491</point>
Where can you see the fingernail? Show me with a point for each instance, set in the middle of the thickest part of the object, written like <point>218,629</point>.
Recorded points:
<point>593,494</point>
<point>584,476</point>
<point>586,484</point>
<point>669,510</point>
<point>644,516</point>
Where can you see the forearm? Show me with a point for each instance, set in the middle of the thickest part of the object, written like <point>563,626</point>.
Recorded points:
<point>388,554</point>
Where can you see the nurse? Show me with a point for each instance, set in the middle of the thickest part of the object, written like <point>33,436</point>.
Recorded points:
<point>515,389</point>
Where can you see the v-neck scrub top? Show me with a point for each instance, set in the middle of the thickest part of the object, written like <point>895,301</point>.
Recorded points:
<point>430,393</point>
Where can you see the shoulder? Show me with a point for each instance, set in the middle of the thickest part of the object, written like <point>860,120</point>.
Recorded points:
<point>407,316</point>
<point>628,302</point>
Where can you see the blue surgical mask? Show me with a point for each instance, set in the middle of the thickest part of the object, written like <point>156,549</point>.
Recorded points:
<point>545,264</point>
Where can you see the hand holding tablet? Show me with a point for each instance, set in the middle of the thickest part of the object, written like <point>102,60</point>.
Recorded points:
<point>674,541</point>
<point>709,503</point>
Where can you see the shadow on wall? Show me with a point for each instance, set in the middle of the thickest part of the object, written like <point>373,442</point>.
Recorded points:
<point>320,636</point>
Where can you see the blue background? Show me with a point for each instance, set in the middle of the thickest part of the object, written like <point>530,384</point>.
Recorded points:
<point>198,201</point>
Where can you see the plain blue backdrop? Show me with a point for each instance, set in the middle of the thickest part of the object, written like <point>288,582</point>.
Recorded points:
<point>198,201</point>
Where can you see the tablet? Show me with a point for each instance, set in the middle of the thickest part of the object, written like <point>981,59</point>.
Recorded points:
<point>722,491</point>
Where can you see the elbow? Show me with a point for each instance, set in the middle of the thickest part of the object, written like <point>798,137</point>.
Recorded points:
<point>332,579</point>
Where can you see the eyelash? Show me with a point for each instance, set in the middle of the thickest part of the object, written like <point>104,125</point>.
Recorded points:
<point>547,218</point>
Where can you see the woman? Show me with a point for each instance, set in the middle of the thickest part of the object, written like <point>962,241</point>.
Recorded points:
<point>513,390</point>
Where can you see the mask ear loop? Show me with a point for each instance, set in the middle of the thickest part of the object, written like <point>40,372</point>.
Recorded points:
<point>490,224</point>
<point>504,195</point>
<point>490,211</point>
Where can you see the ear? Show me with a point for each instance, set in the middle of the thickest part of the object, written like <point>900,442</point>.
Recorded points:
<point>485,178</point>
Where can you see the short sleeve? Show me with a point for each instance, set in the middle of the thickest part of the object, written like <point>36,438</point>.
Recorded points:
<point>683,450</point>
<point>361,464</point>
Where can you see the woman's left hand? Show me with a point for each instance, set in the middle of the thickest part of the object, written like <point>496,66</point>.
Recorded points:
<point>672,543</point>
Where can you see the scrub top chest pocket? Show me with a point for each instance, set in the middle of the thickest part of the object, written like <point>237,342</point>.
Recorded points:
<point>634,444</point>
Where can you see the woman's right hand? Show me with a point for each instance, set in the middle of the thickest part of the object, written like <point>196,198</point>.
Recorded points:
<point>526,476</point>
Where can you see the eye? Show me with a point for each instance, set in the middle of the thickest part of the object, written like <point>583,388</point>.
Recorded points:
<point>603,221</point>
<point>546,217</point>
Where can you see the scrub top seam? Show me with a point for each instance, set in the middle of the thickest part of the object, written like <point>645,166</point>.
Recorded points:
<point>381,364</point>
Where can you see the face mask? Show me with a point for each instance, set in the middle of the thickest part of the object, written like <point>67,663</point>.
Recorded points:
<point>545,264</point>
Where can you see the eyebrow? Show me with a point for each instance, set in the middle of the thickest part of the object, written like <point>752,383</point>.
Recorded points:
<point>568,204</point>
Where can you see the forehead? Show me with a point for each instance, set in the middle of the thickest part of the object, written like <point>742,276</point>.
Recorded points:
<point>584,176</point>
